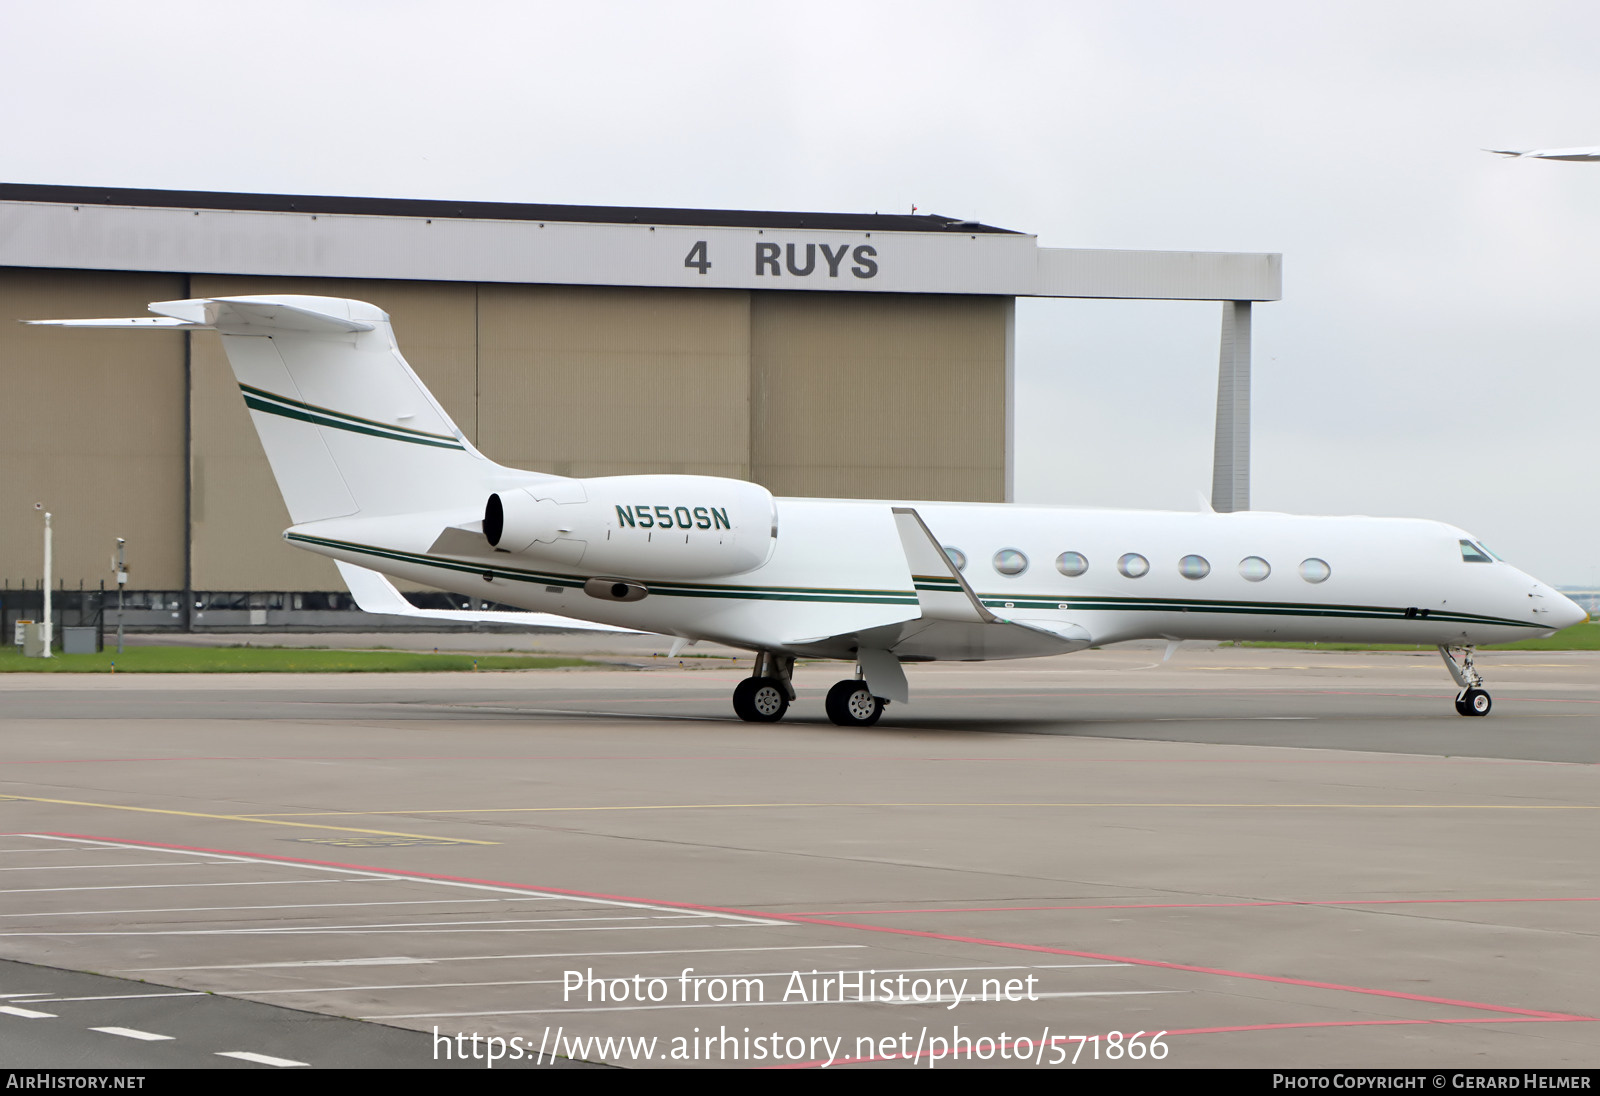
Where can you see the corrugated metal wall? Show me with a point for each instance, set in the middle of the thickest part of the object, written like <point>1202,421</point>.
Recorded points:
<point>91,425</point>
<point>844,395</point>
<point>899,397</point>
<point>604,381</point>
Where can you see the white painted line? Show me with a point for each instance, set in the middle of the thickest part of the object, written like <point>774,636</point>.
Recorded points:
<point>389,961</point>
<point>35,993</point>
<point>528,892</point>
<point>401,960</point>
<point>133,1033</point>
<point>3,852</point>
<point>84,867</point>
<point>169,886</point>
<point>121,997</point>
<point>295,906</point>
<point>366,989</point>
<point>670,977</point>
<point>501,921</point>
<point>744,1004</point>
<point>261,1058</point>
<point>380,932</point>
<point>26,1013</point>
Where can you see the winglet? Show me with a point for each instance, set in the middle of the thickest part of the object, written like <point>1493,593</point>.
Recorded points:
<point>941,591</point>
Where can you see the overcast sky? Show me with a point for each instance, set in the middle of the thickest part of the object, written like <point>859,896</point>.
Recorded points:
<point>1435,351</point>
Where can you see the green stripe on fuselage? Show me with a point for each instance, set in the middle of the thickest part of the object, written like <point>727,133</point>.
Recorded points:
<point>846,596</point>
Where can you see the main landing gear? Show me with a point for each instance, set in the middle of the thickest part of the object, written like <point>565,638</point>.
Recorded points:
<point>764,696</point>
<point>849,704</point>
<point>1472,699</point>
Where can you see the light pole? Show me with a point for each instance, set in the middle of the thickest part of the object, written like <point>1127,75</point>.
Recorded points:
<point>48,631</point>
<point>119,564</point>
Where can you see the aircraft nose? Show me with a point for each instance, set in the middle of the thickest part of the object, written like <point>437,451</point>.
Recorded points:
<point>1566,612</point>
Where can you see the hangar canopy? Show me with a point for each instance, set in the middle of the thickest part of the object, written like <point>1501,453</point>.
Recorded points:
<point>330,237</point>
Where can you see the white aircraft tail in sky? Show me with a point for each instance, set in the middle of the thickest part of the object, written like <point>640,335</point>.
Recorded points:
<point>1590,153</point>
<point>377,476</point>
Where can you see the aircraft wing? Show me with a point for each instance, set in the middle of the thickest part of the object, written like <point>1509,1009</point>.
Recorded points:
<point>374,593</point>
<point>953,623</point>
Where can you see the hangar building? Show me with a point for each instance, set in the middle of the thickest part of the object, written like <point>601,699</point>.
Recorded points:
<point>826,354</point>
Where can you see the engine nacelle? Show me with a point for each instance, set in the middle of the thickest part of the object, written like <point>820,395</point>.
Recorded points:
<point>646,527</point>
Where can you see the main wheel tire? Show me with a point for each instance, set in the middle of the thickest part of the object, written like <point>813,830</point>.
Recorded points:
<point>849,704</point>
<point>1474,702</point>
<point>760,700</point>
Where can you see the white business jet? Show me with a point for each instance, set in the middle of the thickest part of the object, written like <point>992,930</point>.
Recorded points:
<point>377,477</point>
<point>1590,153</point>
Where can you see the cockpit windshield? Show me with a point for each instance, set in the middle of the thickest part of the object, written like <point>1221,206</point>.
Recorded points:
<point>1473,553</point>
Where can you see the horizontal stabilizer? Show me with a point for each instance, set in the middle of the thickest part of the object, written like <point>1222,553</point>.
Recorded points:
<point>168,323</point>
<point>376,594</point>
<point>243,316</point>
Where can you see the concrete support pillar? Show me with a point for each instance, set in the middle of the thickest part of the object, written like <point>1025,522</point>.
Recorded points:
<point>1011,400</point>
<point>1230,468</point>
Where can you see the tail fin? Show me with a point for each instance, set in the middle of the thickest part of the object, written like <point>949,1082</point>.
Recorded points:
<point>347,426</point>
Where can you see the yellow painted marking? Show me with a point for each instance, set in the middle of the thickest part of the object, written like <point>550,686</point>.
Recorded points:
<point>747,806</point>
<point>263,820</point>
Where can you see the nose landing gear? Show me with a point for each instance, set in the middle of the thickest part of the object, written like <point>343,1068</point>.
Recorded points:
<point>1472,699</point>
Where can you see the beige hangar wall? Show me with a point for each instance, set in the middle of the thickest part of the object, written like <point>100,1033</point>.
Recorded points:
<point>830,394</point>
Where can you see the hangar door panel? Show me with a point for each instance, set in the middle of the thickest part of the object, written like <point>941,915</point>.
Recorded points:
<point>92,426</point>
<point>601,381</point>
<point>879,396</point>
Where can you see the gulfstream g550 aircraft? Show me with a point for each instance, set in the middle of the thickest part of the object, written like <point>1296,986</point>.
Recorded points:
<point>377,477</point>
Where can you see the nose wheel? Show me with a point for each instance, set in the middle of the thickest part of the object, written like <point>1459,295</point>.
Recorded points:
<point>1473,702</point>
<point>1473,699</point>
<point>849,704</point>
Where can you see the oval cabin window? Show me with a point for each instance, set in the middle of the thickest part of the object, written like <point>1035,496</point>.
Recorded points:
<point>1194,567</point>
<point>1072,564</point>
<point>1254,568</point>
<point>1009,561</point>
<point>1133,565</point>
<point>1315,570</point>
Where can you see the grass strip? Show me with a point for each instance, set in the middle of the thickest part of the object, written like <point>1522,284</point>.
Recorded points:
<point>271,660</point>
